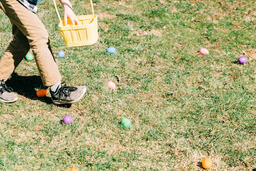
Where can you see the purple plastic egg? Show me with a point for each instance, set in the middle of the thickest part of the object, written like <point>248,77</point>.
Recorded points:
<point>67,120</point>
<point>242,60</point>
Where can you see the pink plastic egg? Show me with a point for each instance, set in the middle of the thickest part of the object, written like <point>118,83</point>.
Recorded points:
<point>204,51</point>
<point>111,85</point>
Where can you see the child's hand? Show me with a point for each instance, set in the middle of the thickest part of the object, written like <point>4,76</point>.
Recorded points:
<point>68,12</point>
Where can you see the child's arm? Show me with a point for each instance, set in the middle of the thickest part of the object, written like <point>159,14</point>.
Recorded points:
<point>68,12</point>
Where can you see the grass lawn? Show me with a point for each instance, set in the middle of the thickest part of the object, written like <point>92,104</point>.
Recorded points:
<point>183,106</point>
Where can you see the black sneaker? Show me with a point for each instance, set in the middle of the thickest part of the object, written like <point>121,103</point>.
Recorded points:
<point>67,94</point>
<point>6,94</point>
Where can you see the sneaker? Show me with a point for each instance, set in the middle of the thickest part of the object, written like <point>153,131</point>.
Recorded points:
<point>6,94</point>
<point>67,94</point>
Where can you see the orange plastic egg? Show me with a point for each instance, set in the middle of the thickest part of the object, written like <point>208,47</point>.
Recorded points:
<point>69,22</point>
<point>207,163</point>
<point>73,169</point>
<point>41,93</point>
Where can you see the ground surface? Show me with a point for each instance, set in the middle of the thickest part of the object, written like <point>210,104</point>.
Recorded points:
<point>183,106</point>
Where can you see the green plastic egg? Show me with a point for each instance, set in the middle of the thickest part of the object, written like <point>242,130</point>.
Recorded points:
<point>29,56</point>
<point>126,123</point>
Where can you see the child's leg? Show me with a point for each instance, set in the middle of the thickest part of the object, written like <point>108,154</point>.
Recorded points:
<point>14,54</point>
<point>31,26</point>
<point>1,7</point>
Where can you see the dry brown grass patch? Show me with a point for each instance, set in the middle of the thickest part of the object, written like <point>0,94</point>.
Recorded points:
<point>105,15</point>
<point>156,32</point>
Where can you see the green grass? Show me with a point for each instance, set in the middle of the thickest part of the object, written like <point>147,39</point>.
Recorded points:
<point>183,106</point>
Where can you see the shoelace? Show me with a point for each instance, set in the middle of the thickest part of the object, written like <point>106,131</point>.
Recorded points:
<point>3,87</point>
<point>65,90</point>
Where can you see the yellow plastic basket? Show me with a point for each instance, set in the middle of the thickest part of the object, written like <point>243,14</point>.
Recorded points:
<point>79,35</point>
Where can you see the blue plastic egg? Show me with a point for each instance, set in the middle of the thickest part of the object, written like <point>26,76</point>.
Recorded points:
<point>61,54</point>
<point>111,50</point>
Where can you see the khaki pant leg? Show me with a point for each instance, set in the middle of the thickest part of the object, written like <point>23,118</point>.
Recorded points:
<point>32,27</point>
<point>14,54</point>
<point>1,7</point>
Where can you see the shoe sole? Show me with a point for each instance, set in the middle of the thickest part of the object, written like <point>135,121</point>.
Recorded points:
<point>10,101</point>
<point>71,102</point>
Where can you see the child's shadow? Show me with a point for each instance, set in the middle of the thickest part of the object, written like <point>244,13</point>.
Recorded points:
<point>26,86</point>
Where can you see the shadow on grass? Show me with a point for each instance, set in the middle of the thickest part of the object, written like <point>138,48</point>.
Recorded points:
<point>199,164</point>
<point>27,85</point>
<point>236,62</point>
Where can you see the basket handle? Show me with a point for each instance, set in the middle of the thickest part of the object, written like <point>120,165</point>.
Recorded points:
<point>58,14</point>
<point>92,7</point>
